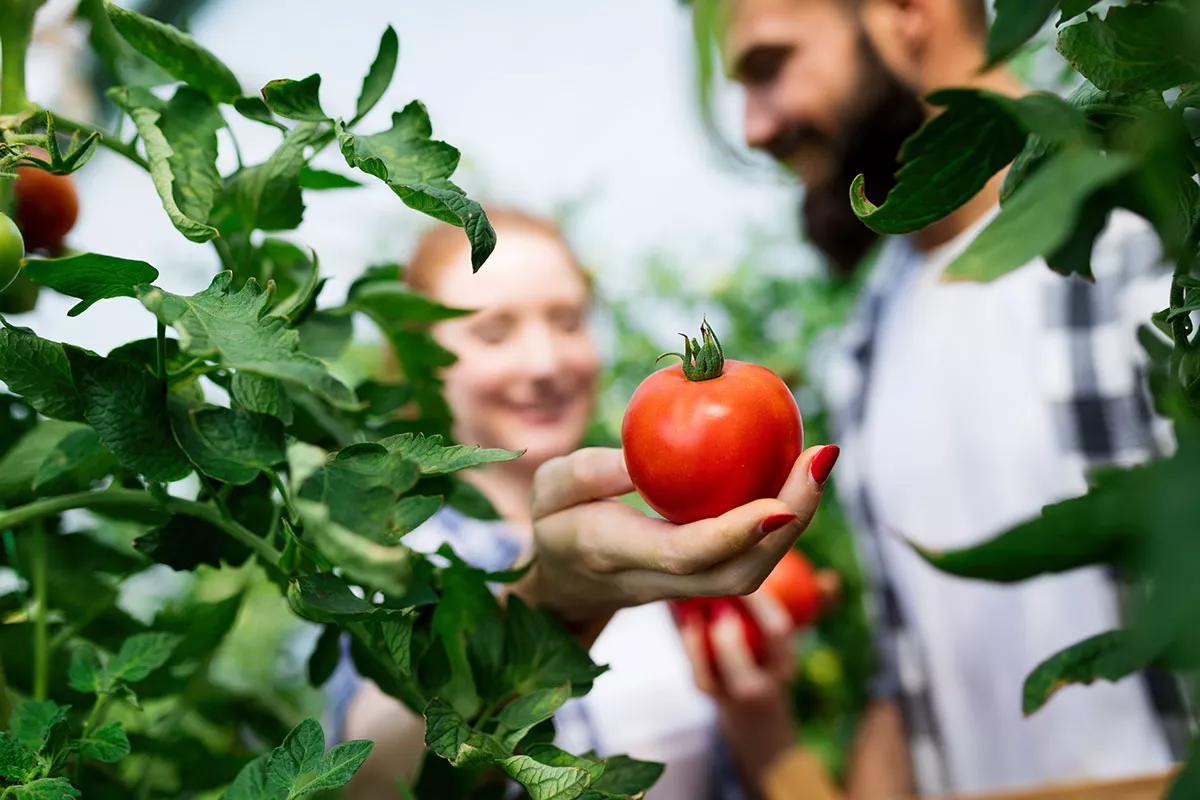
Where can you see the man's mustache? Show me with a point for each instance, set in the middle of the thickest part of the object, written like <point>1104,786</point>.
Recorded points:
<point>785,144</point>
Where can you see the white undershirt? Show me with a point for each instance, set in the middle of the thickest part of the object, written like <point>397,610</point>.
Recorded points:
<point>958,444</point>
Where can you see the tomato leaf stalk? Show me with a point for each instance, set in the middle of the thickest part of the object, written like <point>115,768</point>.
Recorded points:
<point>701,361</point>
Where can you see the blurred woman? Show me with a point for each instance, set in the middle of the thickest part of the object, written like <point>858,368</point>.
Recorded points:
<point>526,379</point>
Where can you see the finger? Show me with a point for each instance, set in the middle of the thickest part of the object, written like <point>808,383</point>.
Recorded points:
<point>593,473</point>
<point>740,675</point>
<point>692,634</point>
<point>776,626</point>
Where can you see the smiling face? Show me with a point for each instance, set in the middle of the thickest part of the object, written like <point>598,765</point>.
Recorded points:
<point>527,364</point>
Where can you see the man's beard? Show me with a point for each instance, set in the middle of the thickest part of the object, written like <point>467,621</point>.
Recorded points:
<point>885,113</point>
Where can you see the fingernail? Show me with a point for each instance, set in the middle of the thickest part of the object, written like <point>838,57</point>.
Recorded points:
<point>775,522</point>
<point>822,463</point>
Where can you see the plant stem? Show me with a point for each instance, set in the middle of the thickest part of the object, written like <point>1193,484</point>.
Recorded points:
<point>277,482</point>
<point>109,140</point>
<point>133,498</point>
<point>16,28</point>
<point>160,351</point>
<point>5,699</point>
<point>41,652</point>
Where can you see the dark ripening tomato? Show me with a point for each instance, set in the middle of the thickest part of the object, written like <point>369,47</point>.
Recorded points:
<point>46,207</point>
<point>12,251</point>
<point>794,584</point>
<point>711,434</point>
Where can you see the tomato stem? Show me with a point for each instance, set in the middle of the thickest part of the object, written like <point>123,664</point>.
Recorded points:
<point>701,362</point>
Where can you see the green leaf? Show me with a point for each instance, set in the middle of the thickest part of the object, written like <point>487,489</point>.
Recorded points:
<point>46,789</point>
<point>522,714</point>
<point>626,776</point>
<point>17,764</point>
<point>1108,656</point>
<point>148,119</point>
<point>298,756</point>
<point>220,323</point>
<point>552,756</point>
<point>262,395</point>
<point>953,156</point>
<point>229,445</point>
<point>363,561</point>
<point>337,767</point>
<point>184,543</point>
<point>302,302</point>
<point>397,636</point>
<point>107,743</point>
<point>1073,8</point>
<point>324,597</point>
<point>322,179</point>
<point>37,370</point>
<point>33,721</point>
<point>412,512</point>
<point>91,277</point>
<point>1186,783</point>
<point>1134,48</point>
<point>87,673</point>
<point>418,168</point>
<point>1092,529</point>
<point>253,108</point>
<point>545,782</point>
<point>140,655</point>
<point>252,783</point>
<point>80,455</point>
<point>540,654</point>
<point>400,305</point>
<point>325,655</point>
<point>190,124</point>
<point>379,77</point>
<point>201,627</point>
<point>360,485</point>
<point>127,407</point>
<point>434,458</point>
<point>449,735</point>
<point>267,196</point>
<point>298,100</point>
<point>21,464</point>
<point>1040,216</point>
<point>1016,22</point>
<point>177,53</point>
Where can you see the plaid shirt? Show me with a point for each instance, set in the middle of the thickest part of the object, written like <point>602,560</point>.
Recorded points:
<point>1102,417</point>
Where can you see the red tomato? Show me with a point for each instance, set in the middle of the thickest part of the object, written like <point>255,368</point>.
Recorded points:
<point>706,610</point>
<point>46,207</point>
<point>708,435</point>
<point>793,583</point>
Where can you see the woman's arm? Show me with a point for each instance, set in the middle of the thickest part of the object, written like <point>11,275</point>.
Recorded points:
<point>879,765</point>
<point>399,737</point>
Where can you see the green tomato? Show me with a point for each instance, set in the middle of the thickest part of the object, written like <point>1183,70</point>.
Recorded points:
<point>12,250</point>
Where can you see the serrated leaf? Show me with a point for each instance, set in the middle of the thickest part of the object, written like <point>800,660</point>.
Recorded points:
<point>229,445</point>
<point>379,76</point>
<point>253,108</point>
<point>412,512</point>
<point>522,714</point>
<point>627,776</point>
<point>324,597</point>
<point>418,169</point>
<point>148,121</point>
<point>33,721</point>
<point>360,486</point>
<point>1015,23</point>
<point>46,789</point>
<point>449,735</point>
<point>176,52</point>
<point>231,326</point>
<point>953,156</point>
<point>107,743</point>
<point>1134,48</point>
<point>1039,216</point>
<point>184,543</point>
<point>263,395</point>
<point>434,458</point>
<point>553,756</point>
<point>337,767</point>
<point>319,180</point>
<point>397,636</point>
<point>79,454</point>
<point>400,305</point>
<point>267,196</point>
<point>17,764</point>
<point>37,370</point>
<point>545,782</point>
<point>299,755</point>
<point>140,655</point>
<point>19,466</point>
<point>86,673</point>
<point>540,654</point>
<point>252,783</point>
<point>128,409</point>
<point>1107,656</point>
<point>91,277</point>
<point>298,100</point>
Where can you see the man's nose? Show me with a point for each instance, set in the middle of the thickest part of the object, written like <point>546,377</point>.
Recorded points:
<point>762,122</point>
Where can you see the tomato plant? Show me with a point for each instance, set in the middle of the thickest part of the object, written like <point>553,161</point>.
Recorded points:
<point>225,446</point>
<point>12,251</point>
<point>710,434</point>
<point>45,208</point>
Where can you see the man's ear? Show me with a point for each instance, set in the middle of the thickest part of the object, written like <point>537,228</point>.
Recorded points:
<point>900,30</point>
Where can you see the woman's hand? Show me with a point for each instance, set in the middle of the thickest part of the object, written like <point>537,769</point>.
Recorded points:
<point>596,554</point>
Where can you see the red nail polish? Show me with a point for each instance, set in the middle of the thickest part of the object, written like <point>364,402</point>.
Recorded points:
<point>775,522</point>
<point>822,463</point>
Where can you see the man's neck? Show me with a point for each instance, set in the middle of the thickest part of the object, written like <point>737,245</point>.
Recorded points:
<point>960,68</point>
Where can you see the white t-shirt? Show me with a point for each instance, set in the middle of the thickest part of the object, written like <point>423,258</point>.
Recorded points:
<point>958,441</point>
